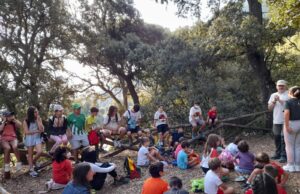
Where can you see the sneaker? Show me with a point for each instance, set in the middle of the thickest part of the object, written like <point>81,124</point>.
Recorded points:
<point>289,168</point>
<point>6,168</point>
<point>297,168</point>
<point>33,173</point>
<point>121,181</point>
<point>282,160</point>
<point>19,166</point>
<point>275,157</point>
<point>239,179</point>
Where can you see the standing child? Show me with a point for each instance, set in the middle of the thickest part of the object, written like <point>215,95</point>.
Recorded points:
<point>183,161</point>
<point>57,127</point>
<point>212,116</point>
<point>8,129</point>
<point>176,186</point>
<point>212,182</point>
<point>161,124</point>
<point>33,127</point>
<point>133,118</point>
<point>196,119</point>
<point>76,132</point>
<point>61,170</point>
<point>147,154</point>
<point>155,184</point>
<point>244,159</point>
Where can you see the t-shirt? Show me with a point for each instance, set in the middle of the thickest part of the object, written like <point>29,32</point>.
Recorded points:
<point>176,136</point>
<point>211,182</point>
<point>62,172</point>
<point>154,186</point>
<point>142,159</point>
<point>177,150</point>
<point>176,191</point>
<point>205,158</point>
<point>136,116</point>
<point>9,133</point>
<point>246,160</point>
<point>212,114</point>
<point>279,169</point>
<point>90,122</point>
<point>232,148</point>
<point>113,123</point>
<point>57,126</point>
<point>182,160</point>
<point>293,105</point>
<point>280,190</point>
<point>196,112</point>
<point>278,108</point>
<point>77,123</point>
<point>161,118</point>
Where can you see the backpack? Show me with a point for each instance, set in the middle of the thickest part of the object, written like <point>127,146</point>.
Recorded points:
<point>93,137</point>
<point>131,122</point>
<point>197,185</point>
<point>131,170</point>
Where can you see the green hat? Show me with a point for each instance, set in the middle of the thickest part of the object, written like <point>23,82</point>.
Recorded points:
<point>76,106</point>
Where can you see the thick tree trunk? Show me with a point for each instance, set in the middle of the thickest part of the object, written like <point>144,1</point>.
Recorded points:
<point>132,90</point>
<point>257,62</point>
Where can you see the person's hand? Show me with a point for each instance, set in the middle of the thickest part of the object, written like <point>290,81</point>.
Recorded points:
<point>276,98</point>
<point>289,129</point>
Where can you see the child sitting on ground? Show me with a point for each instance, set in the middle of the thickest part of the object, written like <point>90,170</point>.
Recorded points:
<point>233,147</point>
<point>147,133</point>
<point>147,154</point>
<point>212,182</point>
<point>176,186</point>
<point>244,159</point>
<point>155,185</point>
<point>61,170</point>
<point>176,136</point>
<point>225,156</point>
<point>263,159</point>
<point>186,158</point>
<point>178,147</point>
<point>210,151</point>
<point>259,186</point>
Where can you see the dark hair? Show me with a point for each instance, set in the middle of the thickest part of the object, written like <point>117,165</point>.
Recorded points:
<point>262,157</point>
<point>111,110</point>
<point>89,155</point>
<point>144,140</point>
<point>271,170</point>
<point>155,169</point>
<point>264,184</point>
<point>94,109</point>
<point>237,140</point>
<point>243,146</point>
<point>79,174</point>
<point>30,115</point>
<point>295,91</point>
<point>136,108</point>
<point>59,154</point>
<point>185,144</point>
<point>211,142</point>
<point>214,163</point>
<point>175,182</point>
<point>196,102</point>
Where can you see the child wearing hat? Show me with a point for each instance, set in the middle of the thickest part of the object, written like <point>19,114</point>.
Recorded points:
<point>8,129</point>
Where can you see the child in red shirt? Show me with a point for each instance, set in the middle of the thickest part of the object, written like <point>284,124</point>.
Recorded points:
<point>212,116</point>
<point>61,170</point>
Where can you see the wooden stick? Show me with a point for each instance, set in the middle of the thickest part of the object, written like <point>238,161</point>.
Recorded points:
<point>244,116</point>
<point>246,127</point>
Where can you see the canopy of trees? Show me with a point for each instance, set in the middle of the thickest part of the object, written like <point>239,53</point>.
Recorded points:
<point>231,61</point>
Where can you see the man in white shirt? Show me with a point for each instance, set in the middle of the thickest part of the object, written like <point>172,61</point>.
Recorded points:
<point>276,104</point>
<point>196,119</point>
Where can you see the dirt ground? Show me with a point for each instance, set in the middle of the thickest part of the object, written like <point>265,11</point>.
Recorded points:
<point>25,184</point>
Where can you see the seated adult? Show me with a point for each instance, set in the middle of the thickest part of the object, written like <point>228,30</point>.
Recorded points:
<point>112,125</point>
<point>101,170</point>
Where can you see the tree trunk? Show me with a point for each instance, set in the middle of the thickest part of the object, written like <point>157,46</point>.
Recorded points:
<point>255,9</point>
<point>124,92</point>
<point>132,91</point>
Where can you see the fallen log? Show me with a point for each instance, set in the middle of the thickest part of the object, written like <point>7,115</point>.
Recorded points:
<point>244,116</point>
<point>245,126</point>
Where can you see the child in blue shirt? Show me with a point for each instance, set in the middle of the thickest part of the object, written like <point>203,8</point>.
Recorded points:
<point>183,161</point>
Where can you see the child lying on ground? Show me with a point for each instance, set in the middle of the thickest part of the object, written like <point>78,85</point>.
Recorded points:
<point>186,158</point>
<point>147,154</point>
<point>212,182</point>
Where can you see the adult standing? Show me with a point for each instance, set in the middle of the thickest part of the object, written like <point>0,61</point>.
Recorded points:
<point>292,130</point>
<point>276,103</point>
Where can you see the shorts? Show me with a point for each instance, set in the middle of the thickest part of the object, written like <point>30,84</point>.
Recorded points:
<point>135,130</point>
<point>162,128</point>
<point>33,140</point>
<point>242,171</point>
<point>79,141</point>
<point>205,170</point>
<point>198,122</point>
